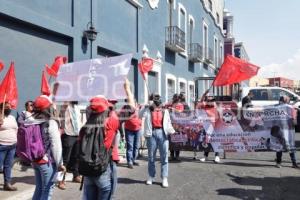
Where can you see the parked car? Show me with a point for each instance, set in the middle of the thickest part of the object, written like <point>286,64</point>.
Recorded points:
<point>265,96</point>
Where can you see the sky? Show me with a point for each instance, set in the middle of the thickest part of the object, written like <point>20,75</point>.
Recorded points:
<point>270,32</point>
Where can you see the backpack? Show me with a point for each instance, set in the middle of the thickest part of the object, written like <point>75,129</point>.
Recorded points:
<point>94,158</point>
<point>157,118</point>
<point>33,142</point>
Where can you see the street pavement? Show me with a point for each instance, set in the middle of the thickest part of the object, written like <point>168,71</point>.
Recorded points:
<point>240,176</point>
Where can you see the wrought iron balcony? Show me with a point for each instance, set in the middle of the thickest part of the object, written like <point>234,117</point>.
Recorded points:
<point>175,39</point>
<point>209,56</point>
<point>195,52</point>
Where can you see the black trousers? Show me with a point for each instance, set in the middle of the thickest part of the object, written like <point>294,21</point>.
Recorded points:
<point>174,154</point>
<point>279,157</point>
<point>70,153</point>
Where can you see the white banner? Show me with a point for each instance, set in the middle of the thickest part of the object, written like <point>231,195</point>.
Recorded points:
<point>79,81</point>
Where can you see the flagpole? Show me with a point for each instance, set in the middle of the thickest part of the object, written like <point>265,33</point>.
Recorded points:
<point>3,105</point>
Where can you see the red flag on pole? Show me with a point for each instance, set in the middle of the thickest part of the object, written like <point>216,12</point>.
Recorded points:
<point>8,88</point>
<point>234,70</point>
<point>45,88</point>
<point>58,61</point>
<point>1,65</point>
<point>145,66</point>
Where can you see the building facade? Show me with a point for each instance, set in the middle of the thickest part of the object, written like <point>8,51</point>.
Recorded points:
<point>281,82</point>
<point>184,38</point>
<point>258,81</point>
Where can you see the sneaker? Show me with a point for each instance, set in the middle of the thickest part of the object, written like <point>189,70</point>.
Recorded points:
<point>149,180</point>
<point>165,183</point>
<point>130,166</point>
<point>278,165</point>
<point>217,159</point>
<point>136,163</point>
<point>77,179</point>
<point>61,185</point>
<point>295,166</point>
<point>203,159</point>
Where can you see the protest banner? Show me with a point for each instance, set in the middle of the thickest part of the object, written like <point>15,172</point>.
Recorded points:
<point>259,129</point>
<point>79,81</point>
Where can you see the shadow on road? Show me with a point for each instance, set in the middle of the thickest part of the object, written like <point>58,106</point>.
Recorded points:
<point>240,164</point>
<point>24,179</point>
<point>269,188</point>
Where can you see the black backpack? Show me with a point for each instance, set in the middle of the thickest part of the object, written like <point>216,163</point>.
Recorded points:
<point>94,158</point>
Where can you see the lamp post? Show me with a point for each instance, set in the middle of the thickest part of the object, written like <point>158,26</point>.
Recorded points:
<point>91,34</point>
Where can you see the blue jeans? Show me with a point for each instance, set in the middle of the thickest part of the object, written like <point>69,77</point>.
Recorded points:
<point>114,179</point>
<point>133,145</point>
<point>160,141</point>
<point>99,187</point>
<point>7,155</point>
<point>44,181</point>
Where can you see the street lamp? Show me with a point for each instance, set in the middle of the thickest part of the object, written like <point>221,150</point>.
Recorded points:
<point>91,34</point>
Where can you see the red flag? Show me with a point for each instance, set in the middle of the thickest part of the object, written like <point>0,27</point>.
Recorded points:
<point>58,61</point>
<point>1,65</point>
<point>45,88</point>
<point>145,66</point>
<point>234,70</point>
<point>8,88</point>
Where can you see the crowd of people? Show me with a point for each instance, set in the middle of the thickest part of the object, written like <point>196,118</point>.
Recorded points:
<point>90,150</point>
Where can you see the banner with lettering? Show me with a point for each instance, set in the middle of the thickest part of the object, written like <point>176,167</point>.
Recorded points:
<point>254,129</point>
<point>79,81</point>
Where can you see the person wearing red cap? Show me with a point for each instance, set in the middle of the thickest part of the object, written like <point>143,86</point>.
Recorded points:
<point>46,168</point>
<point>99,108</point>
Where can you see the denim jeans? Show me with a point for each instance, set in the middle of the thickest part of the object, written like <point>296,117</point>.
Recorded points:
<point>279,157</point>
<point>44,181</point>
<point>7,154</point>
<point>114,179</point>
<point>133,144</point>
<point>159,141</point>
<point>99,187</point>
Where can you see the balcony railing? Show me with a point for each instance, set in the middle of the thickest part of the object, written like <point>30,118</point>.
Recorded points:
<point>208,56</point>
<point>175,39</point>
<point>195,52</point>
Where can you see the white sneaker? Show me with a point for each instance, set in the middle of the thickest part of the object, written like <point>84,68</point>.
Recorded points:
<point>203,159</point>
<point>217,159</point>
<point>165,183</point>
<point>149,180</point>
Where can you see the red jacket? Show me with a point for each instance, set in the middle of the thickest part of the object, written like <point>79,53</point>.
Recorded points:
<point>111,128</point>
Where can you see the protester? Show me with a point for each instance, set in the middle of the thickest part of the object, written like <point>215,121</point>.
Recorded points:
<point>115,151</point>
<point>52,162</point>
<point>178,106</point>
<point>157,127</point>
<point>132,125</point>
<point>100,120</point>
<point>27,113</point>
<point>70,126</point>
<point>8,140</point>
<point>275,130</point>
<point>247,100</point>
<point>207,148</point>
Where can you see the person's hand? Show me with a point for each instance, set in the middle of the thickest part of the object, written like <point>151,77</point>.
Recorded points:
<point>127,84</point>
<point>62,168</point>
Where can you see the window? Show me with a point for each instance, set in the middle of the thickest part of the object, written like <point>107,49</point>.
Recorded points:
<point>216,52</point>
<point>171,89</point>
<point>260,94</point>
<point>277,93</point>
<point>205,41</point>
<point>152,82</point>
<point>191,97</point>
<point>191,28</point>
<point>221,54</point>
<point>218,18</point>
<point>182,20</point>
<point>182,87</point>
<point>210,5</point>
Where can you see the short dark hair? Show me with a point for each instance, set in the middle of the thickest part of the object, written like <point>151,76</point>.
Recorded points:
<point>27,103</point>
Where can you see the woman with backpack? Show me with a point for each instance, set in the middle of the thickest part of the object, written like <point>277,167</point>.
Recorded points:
<point>95,150</point>
<point>46,168</point>
<point>8,140</point>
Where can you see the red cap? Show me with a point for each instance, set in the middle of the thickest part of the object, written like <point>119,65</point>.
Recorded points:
<point>99,104</point>
<point>42,102</point>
